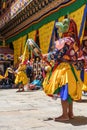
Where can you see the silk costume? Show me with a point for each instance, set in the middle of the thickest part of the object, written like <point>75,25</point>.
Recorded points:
<point>65,79</point>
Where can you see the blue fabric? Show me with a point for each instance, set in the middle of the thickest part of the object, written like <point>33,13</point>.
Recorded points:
<point>82,75</point>
<point>83,20</point>
<point>64,92</point>
<point>36,82</point>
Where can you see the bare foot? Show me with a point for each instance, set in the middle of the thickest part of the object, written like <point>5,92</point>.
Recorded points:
<point>61,118</point>
<point>18,91</point>
<point>22,90</point>
<point>71,116</point>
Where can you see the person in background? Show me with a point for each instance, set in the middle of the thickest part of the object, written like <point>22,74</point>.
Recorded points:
<point>21,77</point>
<point>29,71</point>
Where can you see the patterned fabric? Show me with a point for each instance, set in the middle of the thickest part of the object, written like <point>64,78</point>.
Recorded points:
<point>66,77</point>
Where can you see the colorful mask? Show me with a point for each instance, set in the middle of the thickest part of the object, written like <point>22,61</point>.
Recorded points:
<point>63,26</point>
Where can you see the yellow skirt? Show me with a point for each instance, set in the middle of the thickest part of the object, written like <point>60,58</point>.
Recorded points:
<point>64,74</point>
<point>84,88</point>
<point>21,77</point>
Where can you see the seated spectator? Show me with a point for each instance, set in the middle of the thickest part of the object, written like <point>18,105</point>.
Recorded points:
<point>36,84</point>
<point>29,71</point>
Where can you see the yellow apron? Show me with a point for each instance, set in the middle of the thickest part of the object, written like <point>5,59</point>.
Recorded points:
<point>61,76</point>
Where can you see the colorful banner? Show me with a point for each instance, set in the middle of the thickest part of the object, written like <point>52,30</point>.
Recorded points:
<point>32,35</point>
<point>45,33</point>
<point>77,16</point>
<point>50,15</point>
<point>19,46</point>
<point>3,4</point>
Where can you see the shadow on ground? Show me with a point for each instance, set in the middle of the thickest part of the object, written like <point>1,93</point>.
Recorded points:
<point>77,121</point>
<point>83,101</point>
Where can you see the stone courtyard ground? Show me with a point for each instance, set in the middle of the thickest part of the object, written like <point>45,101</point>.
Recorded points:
<point>34,111</point>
